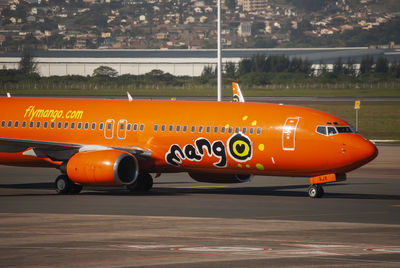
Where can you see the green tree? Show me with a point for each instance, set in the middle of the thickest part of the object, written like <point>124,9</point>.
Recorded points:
<point>258,63</point>
<point>27,65</point>
<point>382,65</point>
<point>230,69</point>
<point>366,64</point>
<point>338,66</point>
<point>350,68</point>
<point>245,66</point>
<point>105,71</point>
<point>208,72</point>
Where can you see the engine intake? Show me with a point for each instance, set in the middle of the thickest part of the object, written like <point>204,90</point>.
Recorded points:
<point>220,178</point>
<point>103,168</point>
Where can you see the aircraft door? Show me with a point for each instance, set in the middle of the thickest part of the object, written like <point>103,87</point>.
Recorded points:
<point>289,134</point>
<point>121,130</point>
<point>109,129</point>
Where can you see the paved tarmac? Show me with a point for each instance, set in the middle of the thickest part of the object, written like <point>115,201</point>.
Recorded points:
<point>181,223</point>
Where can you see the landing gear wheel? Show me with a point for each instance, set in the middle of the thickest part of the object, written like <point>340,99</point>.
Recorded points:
<point>63,184</point>
<point>143,183</point>
<point>315,191</point>
<point>76,188</point>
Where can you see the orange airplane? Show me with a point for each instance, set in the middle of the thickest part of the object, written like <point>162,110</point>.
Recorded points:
<point>120,142</point>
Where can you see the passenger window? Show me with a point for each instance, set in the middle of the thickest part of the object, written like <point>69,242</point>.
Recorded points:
<point>129,127</point>
<point>155,127</point>
<point>38,124</point>
<point>86,125</point>
<point>237,129</point>
<point>223,130</point>
<point>170,128</point>
<point>121,126</point>
<point>9,123</point>
<point>258,131</point>
<point>185,129</point>
<point>101,126</point>
<point>24,124</point>
<point>201,129</point>
<point>59,125</point>
<point>230,130</point>
<point>141,127</point>
<point>321,130</point>
<point>135,127</point>
<point>53,125</point>
<point>163,127</point>
<point>93,126</point>
<point>3,123</point>
<point>73,125</point>
<point>331,131</point>
<point>16,124</point>
<point>45,124</point>
<point>215,129</point>
<point>193,129</point>
<point>208,129</point>
<point>31,124</point>
<point>178,128</point>
<point>80,125</point>
<point>66,125</point>
<point>244,130</point>
<point>251,131</point>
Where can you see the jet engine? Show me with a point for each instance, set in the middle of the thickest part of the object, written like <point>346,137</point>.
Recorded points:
<point>103,168</point>
<point>220,178</point>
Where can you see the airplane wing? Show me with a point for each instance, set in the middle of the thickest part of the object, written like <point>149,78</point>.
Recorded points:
<point>237,93</point>
<point>60,151</point>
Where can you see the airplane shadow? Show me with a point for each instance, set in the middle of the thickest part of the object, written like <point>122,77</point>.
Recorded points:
<point>280,191</point>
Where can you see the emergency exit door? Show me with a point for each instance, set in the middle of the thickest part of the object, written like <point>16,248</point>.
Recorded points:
<point>289,134</point>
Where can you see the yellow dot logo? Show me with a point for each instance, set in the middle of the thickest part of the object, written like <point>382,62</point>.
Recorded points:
<point>261,147</point>
<point>260,167</point>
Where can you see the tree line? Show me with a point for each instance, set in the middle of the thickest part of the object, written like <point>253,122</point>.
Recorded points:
<point>257,70</point>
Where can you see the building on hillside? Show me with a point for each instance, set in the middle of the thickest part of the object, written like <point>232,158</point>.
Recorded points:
<point>255,5</point>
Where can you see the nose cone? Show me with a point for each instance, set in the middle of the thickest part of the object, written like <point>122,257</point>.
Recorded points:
<point>363,151</point>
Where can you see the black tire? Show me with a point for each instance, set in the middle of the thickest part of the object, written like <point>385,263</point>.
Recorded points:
<point>147,182</point>
<point>315,191</point>
<point>143,183</point>
<point>76,188</point>
<point>63,184</point>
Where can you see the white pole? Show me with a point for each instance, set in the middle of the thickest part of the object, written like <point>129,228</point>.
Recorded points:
<point>219,66</point>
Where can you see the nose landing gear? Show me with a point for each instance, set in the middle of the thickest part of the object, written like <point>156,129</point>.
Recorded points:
<point>315,191</point>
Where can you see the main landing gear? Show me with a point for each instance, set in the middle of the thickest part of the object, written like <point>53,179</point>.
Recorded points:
<point>315,191</point>
<point>143,183</point>
<point>65,186</point>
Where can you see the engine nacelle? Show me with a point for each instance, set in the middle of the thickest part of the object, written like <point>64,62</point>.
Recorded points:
<point>103,168</point>
<point>220,178</point>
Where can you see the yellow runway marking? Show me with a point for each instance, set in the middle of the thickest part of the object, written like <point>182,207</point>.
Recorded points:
<point>396,206</point>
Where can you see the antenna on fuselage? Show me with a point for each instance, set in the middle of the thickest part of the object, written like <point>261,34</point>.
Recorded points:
<point>8,95</point>
<point>129,96</point>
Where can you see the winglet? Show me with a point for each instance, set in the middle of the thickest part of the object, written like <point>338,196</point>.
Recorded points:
<point>8,95</point>
<point>129,96</point>
<point>237,94</point>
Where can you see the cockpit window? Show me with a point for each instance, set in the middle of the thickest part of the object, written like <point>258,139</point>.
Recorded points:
<point>330,130</point>
<point>344,129</point>
<point>321,130</point>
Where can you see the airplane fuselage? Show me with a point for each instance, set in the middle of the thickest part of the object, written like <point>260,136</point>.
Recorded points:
<point>184,136</point>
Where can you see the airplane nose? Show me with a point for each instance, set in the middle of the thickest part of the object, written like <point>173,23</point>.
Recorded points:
<point>364,151</point>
